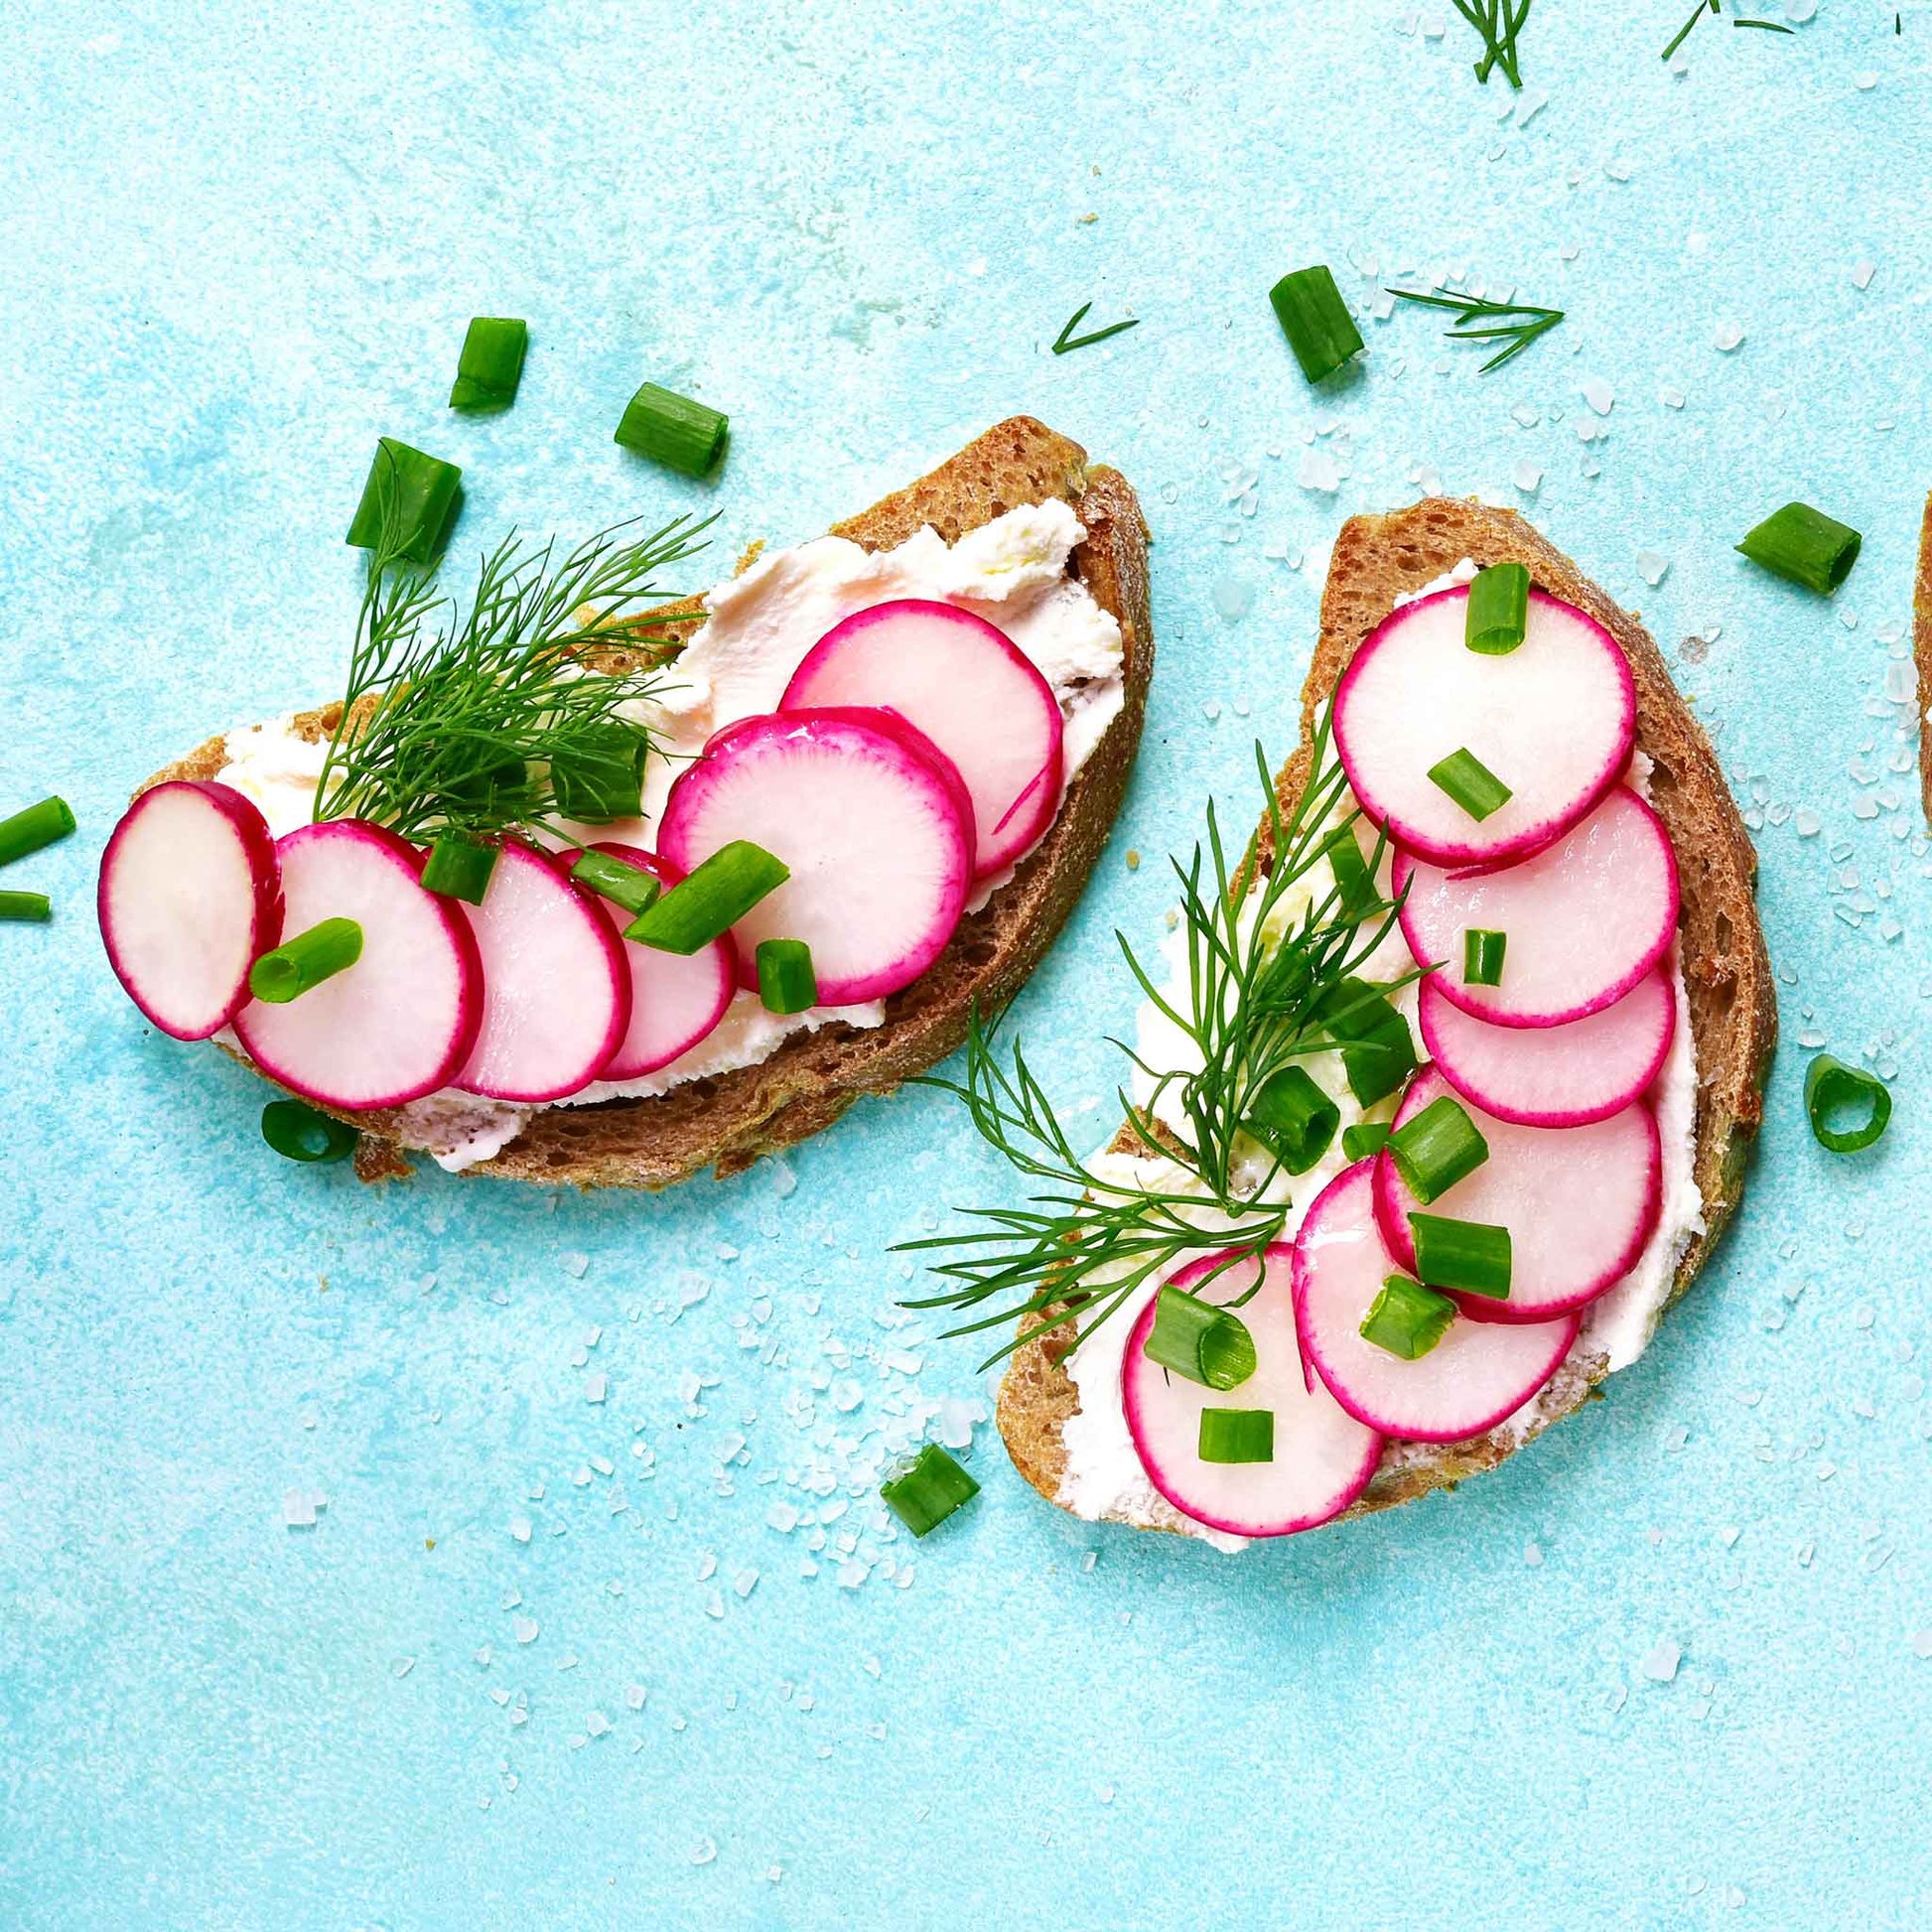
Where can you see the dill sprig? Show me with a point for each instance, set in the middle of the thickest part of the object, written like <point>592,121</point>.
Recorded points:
<point>1066,342</point>
<point>1518,324</point>
<point>1498,22</point>
<point>1684,32</point>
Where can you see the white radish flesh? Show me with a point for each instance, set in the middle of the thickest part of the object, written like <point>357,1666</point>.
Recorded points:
<point>556,987</point>
<point>1580,1202</point>
<point>190,898</point>
<point>401,1020</point>
<point>676,999</point>
<point>1583,921</point>
<point>1553,1076</point>
<point>1323,1456</point>
<point>874,822</point>
<point>1477,1374</point>
<point>1555,720</point>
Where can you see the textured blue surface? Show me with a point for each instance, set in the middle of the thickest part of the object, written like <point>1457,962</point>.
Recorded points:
<point>235,245</point>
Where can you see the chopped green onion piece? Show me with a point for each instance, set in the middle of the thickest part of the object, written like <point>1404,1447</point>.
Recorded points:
<point>1237,1435</point>
<point>630,887</point>
<point>1470,783</point>
<point>39,825</point>
<point>1834,1092</point>
<point>1195,1338</point>
<point>299,965</point>
<point>299,1133</point>
<point>1407,1318</point>
<point>490,365</point>
<point>1354,883</point>
<point>459,865</point>
<point>28,909</point>
<point>1805,546</point>
<point>1363,1139</point>
<point>1293,1118</point>
<point>1379,1053</point>
<point>1482,956</point>
<point>604,779</point>
<point>1471,1256</point>
<point>787,982</point>
<point>409,504</point>
<point>672,429</point>
<point>1499,610</point>
<point>1438,1149</point>
<point>711,900</point>
<point>926,1492</point>
<point>1316,320</point>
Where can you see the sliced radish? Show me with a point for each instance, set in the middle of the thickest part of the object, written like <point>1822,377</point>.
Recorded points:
<point>1478,1373</point>
<point>190,898</point>
<point>971,690</point>
<point>556,987</point>
<point>871,817</point>
<point>1323,1456</point>
<point>1580,1202</point>
<point>1555,720</point>
<point>400,1022</point>
<point>675,1000</point>
<point>1553,1076</point>
<point>1584,920</point>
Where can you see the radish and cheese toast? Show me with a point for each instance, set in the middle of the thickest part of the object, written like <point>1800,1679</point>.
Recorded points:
<point>580,891</point>
<point>1442,1095</point>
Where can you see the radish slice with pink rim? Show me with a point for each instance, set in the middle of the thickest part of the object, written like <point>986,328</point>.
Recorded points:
<point>1555,720</point>
<point>401,1020</point>
<point>1553,1076</point>
<point>556,985</point>
<point>675,1000</point>
<point>190,898</point>
<point>1584,920</point>
<point>971,690</point>
<point>874,821</point>
<point>1580,1204</point>
<point>1475,1376</point>
<point>1323,1456</point>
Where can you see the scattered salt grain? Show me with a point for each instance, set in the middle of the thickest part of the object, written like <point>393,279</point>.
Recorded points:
<point>1651,567</point>
<point>1661,1664</point>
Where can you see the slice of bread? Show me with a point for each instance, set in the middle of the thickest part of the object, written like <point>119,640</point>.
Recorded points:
<point>728,1121</point>
<point>1726,971</point>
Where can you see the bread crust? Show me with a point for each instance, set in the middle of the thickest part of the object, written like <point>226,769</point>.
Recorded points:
<point>728,1121</point>
<point>1726,969</point>
<point>1922,653</point>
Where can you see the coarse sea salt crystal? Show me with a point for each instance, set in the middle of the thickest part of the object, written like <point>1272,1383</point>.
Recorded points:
<point>1728,335</point>
<point>1660,1666</point>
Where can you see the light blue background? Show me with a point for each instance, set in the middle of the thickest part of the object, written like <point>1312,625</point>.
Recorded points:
<point>235,245</point>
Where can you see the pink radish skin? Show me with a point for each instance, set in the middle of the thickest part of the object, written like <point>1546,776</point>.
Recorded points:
<point>401,1020</point>
<point>1553,1076</point>
<point>974,694</point>
<point>1323,1456</point>
<point>1555,720</point>
<point>675,1001</point>
<point>1580,1204</point>
<point>190,898</point>
<point>1585,920</point>
<point>874,821</point>
<point>1475,1376</point>
<point>557,998</point>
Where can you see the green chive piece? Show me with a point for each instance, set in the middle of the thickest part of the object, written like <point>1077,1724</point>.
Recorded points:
<point>299,965</point>
<point>1316,320</point>
<point>602,777</point>
<point>1195,1338</point>
<point>711,900</point>
<point>1470,783</point>
<point>1498,614</point>
<point>1837,1094</point>
<point>672,429</point>
<point>490,365</point>
<point>1237,1435</point>
<point>787,982</point>
<point>26,908</point>
<point>39,825</point>
<point>1436,1149</point>
<point>1354,883</point>
<point>924,1493</point>
<point>1363,1139</point>
<point>1293,1118</point>
<point>1804,546</point>
<point>1482,956</point>
<point>409,504</point>
<point>1379,1053</point>
<point>459,865</point>
<point>1407,1318</point>
<point>1471,1256</point>
<point>612,877</point>
<point>299,1133</point>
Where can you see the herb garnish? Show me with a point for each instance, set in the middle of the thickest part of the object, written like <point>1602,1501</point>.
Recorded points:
<point>1528,323</point>
<point>1683,32</point>
<point>1259,1000</point>
<point>1498,22</point>
<point>1067,340</point>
